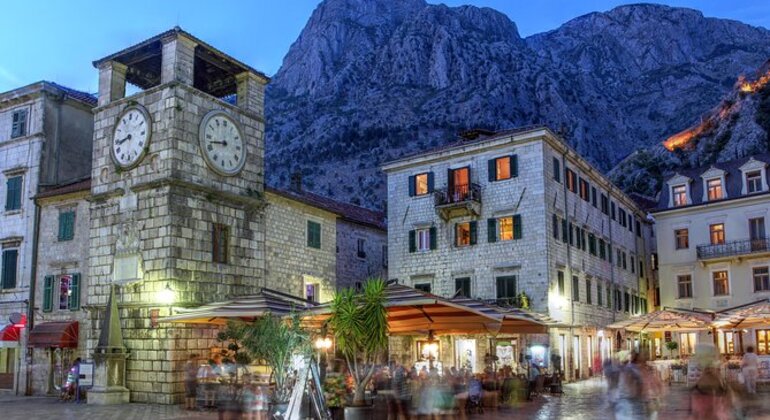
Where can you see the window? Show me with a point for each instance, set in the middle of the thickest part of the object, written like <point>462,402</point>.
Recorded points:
<point>555,226</point>
<point>465,234</point>
<point>506,288</point>
<point>385,256</point>
<point>13,193</point>
<point>618,300</point>
<point>575,289</point>
<point>421,184</point>
<point>679,195</point>
<point>602,250</point>
<point>605,204</point>
<point>599,294</point>
<point>313,234</point>
<point>620,257</point>
<point>753,181</point>
<point>757,234</point>
<point>727,341</point>
<point>612,210</point>
<point>627,302</point>
<point>19,125</point>
<point>423,287</point>
<point>633,264</point>
<point>422,239</point>
<point>505,228</point>
<point>593,196</point>
<point>638,228</point>
<point>571,234</point>
<point>763,341</point>
<point>622,217</point>
<point>585,190</point>
<point>761,280</point>
<point>721,284</point>
<point>560,282</point>
<point>625,267</point>
<point>714,188</point>
<point>311,292</point>
<point>502,168</point>
<point>66,225</point>
<point>682,238</point>
<point>9,268</point>
<point>592,244</point>
<point>588,292</point>
<point>717,234</point>
<point>609,297</point>
<point>684,284</point>
<point>556,169</point>
<point>630,223</point>
<point>220,242</point>
<point>361,248</point>
<point>687,342</point>
<point>570,179</point>
<point>641,267</point>
<point>564,230</point>
<point>69,292</point>
<point>463,286</point>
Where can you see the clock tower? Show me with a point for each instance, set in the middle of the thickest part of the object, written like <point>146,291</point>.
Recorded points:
<point>177,209</point>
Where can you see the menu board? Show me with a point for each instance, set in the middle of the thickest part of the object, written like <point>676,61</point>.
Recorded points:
<point>693,371</point>
<point>764,368</point>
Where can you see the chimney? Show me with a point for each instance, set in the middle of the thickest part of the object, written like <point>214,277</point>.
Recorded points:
<point>296,182</point>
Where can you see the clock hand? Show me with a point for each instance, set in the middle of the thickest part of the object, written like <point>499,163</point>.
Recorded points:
<point>223,143</point>
<point>128,137</point>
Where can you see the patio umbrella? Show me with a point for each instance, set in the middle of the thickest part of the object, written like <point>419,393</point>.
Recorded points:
<point>243,307</point>
<point>411,311</point>
<point>514,320</point>
<point>755,314</point>
<point>667,319</point>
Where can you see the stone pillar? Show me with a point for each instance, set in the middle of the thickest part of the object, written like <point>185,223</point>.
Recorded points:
<point>112,82</point>
<point>177,61</point>
<point>110,360</point>
<point>251,92</point>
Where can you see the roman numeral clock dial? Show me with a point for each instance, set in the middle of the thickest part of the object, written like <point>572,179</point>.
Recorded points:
<point>131,137</point>
<point>221,141</point>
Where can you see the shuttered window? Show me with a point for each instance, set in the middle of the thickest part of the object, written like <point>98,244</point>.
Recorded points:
<point>220,243</point>
<point>560,282</point>
<point>506,287</point>
<point>575,289</point>
<point>588,292</point>
<point>74,293</point>
<point>555,226</point>
<point>502,168</point>
<point>599,294</point>
<point>465,233</point>
<point>66,225</point>
<point>463,286</point>
<point>13,193</point>
<point>556,169</point>
<point>9,268</point>
<point>422,239</point>
<point>19,126</point>
<point>421,184</point>
<point>48,293</point>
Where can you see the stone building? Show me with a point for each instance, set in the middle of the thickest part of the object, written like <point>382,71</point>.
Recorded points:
<point>43,128</point>
<point>62,272</point>
<point>518,218</point>
<point>713,246</point>
<point>177,198</point>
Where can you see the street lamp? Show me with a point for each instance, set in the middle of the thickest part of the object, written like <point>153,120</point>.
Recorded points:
<point>166,296</point>
<point>322,344</point>
<point>431,348</point>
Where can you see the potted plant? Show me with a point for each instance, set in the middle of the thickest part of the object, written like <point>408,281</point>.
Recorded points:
<point>672,346</point>
<point>360,327</point>
<point>275,342</point>
<point>335,391</point>
<point>234,359</point>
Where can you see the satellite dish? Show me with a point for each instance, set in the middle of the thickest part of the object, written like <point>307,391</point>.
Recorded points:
<point>17,318</point>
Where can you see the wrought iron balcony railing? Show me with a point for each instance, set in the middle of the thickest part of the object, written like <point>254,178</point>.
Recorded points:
<point>457,194</point>
<point>734,248</point>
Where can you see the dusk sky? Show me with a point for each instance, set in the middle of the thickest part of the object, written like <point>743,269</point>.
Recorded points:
<point>58,40</point>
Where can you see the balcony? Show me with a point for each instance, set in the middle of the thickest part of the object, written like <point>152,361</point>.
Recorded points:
<point>509,302</point>
<point>734,249</point>
<point>462,200</point>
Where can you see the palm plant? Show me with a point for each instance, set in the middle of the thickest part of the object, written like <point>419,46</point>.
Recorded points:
<point>276,341</point>
<point>360,327</point>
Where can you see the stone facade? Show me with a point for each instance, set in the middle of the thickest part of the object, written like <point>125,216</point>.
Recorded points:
<point>354,266</point>
<point>291,264</point>
<point>56,131</point>
<point>533,197</point>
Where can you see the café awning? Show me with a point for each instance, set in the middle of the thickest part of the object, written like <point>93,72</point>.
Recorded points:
<point>243,307</point>
<point>667,319</point>
<point>411,311</point>
<point>750,315</point>
<point>54,334</point>
<point>10,334</point>
<point>514,320</point>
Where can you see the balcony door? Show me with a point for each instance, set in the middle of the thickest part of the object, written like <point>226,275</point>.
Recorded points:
<point>459,183</point>
<point>757,234</point>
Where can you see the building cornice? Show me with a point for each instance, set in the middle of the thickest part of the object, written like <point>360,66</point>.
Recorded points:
<point>714,205</point>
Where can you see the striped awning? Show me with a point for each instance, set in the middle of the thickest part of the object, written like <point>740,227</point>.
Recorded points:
<point>756,314</point>
<point>243,307</point>
<point>411,311</point>
<point>667,319</point>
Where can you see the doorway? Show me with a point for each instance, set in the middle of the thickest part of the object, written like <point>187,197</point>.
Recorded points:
<point>459,184</point>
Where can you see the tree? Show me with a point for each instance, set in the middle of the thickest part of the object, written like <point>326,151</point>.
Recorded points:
<point>275,341</point>
<point>232,342</point>
<point>360,327</point>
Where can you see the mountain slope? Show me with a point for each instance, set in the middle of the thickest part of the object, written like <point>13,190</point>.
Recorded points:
<point>370,80</point>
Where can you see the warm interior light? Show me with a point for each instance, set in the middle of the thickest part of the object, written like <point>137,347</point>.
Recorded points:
<point>323,343</point>
<point>166,296</point>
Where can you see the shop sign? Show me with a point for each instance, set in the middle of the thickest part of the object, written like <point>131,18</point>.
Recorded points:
<point>86,377</point>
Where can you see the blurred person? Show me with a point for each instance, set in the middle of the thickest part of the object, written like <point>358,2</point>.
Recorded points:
<point>534,372</point>
<point>630,403</point>
<point>401,392</point>
<point>191,382</point>
<point>612,375</point>
<point>207,376</point>
<point>652,388</point>
<point>750,369</point>
<point>709,398</point>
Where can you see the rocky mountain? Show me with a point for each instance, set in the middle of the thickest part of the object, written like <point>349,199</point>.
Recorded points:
<point>370,80</point>
<point>738,126</point>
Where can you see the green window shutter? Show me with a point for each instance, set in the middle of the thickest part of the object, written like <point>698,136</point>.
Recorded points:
<point>491,230</point>
<point>66,225</point>
<point>555,226</point>
<point>517,226</point>
<point>564,230</point>
<point>492,170</point>
<point>48,294</point>
<point>431,182</point>
<point>433,238</point>
<point>412,241</point>
<point>9,261</point>
<point>19,124</point>
<point>13,193</point>
<point>74,298</point>
<point>474,231</point>
<point>411,186</point>
<point>313,234</point>
<point>514,166</point>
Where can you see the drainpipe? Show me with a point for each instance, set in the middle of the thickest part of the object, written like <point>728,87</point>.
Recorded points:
<point>568,269</point>
<point>613,302</point>
<point>31,303</point>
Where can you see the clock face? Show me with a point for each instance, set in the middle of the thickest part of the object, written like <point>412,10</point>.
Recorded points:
<point>131,137</point>
<point>221,141</point>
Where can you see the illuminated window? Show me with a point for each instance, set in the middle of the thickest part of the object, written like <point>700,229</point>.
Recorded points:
<point>679,194</point>
<point>463,234</point>
<point>761,279</point>
<point>423,239</point>
<point>682,238</point>
<point>721,283</point>
<point>502,168</point>
<point>763,341</point>
<point>714,188</point>
<point>717,234</point>
<point>421,184</point>
<point>505,228</point>
<point>560,282</point>
<point>753,181</point>
<point>684,284</point>
<point>584,190</point>
<point>571,181</point>
<point>311,292</point>
<point>687,342</point>
<point>727,341</point>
